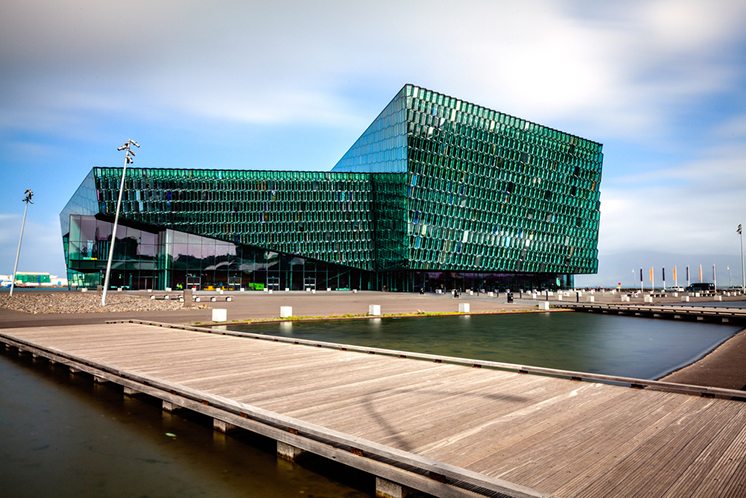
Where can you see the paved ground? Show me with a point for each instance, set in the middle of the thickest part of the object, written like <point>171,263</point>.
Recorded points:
<point>253,305</point>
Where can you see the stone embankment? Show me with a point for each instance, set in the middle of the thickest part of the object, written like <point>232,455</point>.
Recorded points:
<point>82,302</point>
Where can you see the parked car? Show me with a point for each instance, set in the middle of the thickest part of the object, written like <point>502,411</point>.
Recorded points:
<point>700,287</point>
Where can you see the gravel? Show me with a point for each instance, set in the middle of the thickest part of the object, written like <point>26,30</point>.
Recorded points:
<point>83,302</point>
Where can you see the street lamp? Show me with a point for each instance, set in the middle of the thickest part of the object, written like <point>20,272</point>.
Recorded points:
<point>739,230</point>
<point>27,196</point>
<point>129,155</point>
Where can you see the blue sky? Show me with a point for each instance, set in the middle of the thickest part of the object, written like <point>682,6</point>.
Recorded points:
<point>292,84</point>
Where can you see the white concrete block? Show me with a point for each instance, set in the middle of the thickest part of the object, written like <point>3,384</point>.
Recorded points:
<point>313,291</point>
<point>328,289</point>
<point>560,297</point>
<point>243,289</point>
<point>718,298</point>
<point>168,289</point>
<point>533,296</point>
<point>625,299</point>
<point>286,311</point>
<point>219,315</point>
<point>354,291</point>
<point>464,307</point>
<point>270,291</point>
<point>685,299</point>
<point>374,310</point>
<point>491,294</point>
<point>544,305</point>
<point>220,291</point>
<point>648,299</point>
<point>591,299</point>
<point>84,289</point>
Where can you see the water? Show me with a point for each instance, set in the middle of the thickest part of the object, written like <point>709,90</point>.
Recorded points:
<point>64,436</point>
<point>614,345</point>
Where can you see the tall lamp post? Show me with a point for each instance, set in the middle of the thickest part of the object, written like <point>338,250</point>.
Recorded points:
<point>27,196</point>
<point>743,277</point>
<point>129,155</point>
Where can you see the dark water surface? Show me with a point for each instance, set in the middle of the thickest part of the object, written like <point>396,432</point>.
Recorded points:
<point>586,342</point>
<point>63,436</point>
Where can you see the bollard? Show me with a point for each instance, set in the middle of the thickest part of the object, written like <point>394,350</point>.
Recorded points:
<point>328,289</point>
<point>464,307</point>
<point>625,299</point>
<point>559,297</point>
<point>286,311</point>
<point>243,289</point>
<point>648,299</point>
<point>591,299</point>
<point>287,289</point>
<point>685,299</point>
<point>313,291</point>
<point>718,298</point>
<point>213,299</point>
<point>491,294</point>
<point>544,305</point>
<point>269,291</point>
<point>220,291</point>
<point>374,310</point>
<point>354,291</point>
<point>533,295</point>
<point>219,315</point>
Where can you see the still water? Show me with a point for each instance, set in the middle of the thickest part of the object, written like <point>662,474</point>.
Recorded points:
<point>614,345</point>
<point>64,436</point>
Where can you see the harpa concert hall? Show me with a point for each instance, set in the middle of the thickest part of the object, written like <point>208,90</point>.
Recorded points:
<point>436,193</point>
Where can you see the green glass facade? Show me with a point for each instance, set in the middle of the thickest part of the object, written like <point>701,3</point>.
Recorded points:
<point>437,192</point>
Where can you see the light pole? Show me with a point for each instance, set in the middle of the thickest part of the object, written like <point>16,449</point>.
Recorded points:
<point>129,154</point>
<point>743,277</point>
<point>27,196</point>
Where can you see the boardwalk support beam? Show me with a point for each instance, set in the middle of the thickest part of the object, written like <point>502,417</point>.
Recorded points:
<point>222,425</point>
<point>388,489</point>
<point>288,452</point>
<point>169,407</point>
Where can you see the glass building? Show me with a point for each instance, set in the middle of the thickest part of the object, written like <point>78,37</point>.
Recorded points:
<point>436,193</point>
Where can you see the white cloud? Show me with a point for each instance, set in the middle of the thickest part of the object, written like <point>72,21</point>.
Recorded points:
<point>613,70</point>
<point>692,207</point>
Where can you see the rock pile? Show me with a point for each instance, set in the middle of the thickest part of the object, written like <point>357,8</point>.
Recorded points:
<point>82,302</point>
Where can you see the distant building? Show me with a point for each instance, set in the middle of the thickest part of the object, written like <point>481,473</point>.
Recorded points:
<point>436,193</point>
<point>33,279</point>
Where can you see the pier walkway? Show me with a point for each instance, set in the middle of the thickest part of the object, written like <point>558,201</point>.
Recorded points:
<point>715,314</point>
<point>434,424</point>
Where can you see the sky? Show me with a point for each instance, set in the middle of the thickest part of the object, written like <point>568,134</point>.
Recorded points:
<point>291,85</point>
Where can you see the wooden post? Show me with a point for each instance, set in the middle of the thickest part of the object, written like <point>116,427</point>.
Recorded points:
<point>388,489</point>
<point>222,426</point>
<point>288,452</point>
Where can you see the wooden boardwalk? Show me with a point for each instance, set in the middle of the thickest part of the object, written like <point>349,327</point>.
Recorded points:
<point>447,429</point>
<point>716,314</point>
